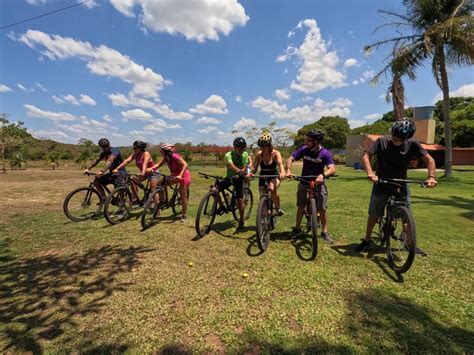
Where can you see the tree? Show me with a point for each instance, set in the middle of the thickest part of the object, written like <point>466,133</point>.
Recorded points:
<point>335,130</point>
<point>281,136</point>
<point>379,127</point>
<point>17,161</point>
<point>84,157</point>
<point>442,31</point>
<point>52,159</point>
<point>11,135</point>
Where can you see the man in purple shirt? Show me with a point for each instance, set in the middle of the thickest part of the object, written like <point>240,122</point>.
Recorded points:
<point>315,159</point>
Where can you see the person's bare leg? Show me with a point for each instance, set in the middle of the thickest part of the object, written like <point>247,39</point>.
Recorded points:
<point>371,221</point>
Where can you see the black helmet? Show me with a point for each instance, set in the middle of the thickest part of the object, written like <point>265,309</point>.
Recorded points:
<point>239,142</point>
<point>103,143</point>
<point>404,128</point>
<point>315,135</point>
<point>139,144</point>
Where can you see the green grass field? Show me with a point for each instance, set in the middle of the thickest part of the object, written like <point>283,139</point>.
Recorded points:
<point>88,287</point>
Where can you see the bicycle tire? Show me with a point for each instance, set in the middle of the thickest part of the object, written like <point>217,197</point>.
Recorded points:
<point>177,205</point>
<point>314,228</point>
<point>248,204</point>
<point>150,210</point>
<point>263,223</point>
<point>401,246</point>
<point>203,228</point>
<point>121,197</point>
<point>86,202</point>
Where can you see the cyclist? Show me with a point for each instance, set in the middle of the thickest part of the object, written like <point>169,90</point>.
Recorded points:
<point>271,163</point>
<point>179,172</point>
<point>112,158</point>
<point>393,154</point>
<point>238,163</point>
<point>143,161</point>
<point>315,159</point>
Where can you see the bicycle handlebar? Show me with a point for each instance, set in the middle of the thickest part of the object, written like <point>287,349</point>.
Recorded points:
<point>396,182</point>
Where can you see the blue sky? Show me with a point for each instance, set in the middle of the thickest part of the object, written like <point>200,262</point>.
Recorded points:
<point>191,70</point>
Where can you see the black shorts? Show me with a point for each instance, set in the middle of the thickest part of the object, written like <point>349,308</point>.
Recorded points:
<point>263,181</point>
<point>107,179</point>
<point>237,182</point>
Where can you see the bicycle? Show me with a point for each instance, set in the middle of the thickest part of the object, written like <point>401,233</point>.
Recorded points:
<point>266,215</point>
<point>152,210</point>
<point>311,211</point>
<point>208,210</point>
<point>84,202</point>
<point>119,203</point>
<point>400,244</point>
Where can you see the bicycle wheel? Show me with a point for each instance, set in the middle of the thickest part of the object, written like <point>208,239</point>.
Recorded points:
<point>206,213</point>
<point>401,239</point>
<point>177,204</point>
<point>263,222</point>
<point>248,204</point>
<point>314,228</point>
<point>118,205</point>
<point>82,204</point>
<point>151,210</point>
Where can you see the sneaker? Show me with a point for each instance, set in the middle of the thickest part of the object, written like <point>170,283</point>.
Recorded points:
<point>295,233</point>
<point>280,212</point>
<point>363,246</point>
<point>240,226</point>
<point>183,218</point>
<point>327,237</point>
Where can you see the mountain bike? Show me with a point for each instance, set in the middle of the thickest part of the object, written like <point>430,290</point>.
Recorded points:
<point>266,214</point>
<point>84,202</point>
<point>208,208</point>
<point>152,208</point>
<point>118,204</point>
<point>396,229</point>
<point>311,211</point>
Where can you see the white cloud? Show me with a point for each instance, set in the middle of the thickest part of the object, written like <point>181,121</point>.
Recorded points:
<point>4,88</point>
<point>355,82</point>
<point>305,113</point>
<point>318,69</point>
<point>351,62</point>
<point>71,99</point>
<point>462,91</point>
<point>136,114</point>
<point>118,99</point>
<point>208,129</point>
<point>100,60</point>
<point>368,74</point>
<point>373,116</point>
<point>208,120</point>
<point>41,87</point>
<point>22,88</point>
<point>107,118</point>
<point>57,99</point>
<point>357,123</point>
<point>238,99</point>
<point>90,4</point>
<point>158,125</point>
<point>195,20</point>
<point>36,2</point>
<point>214,104</point>
<point>52,134</point>
<point>244,123</point>
<point>282,94</point>
<point>87,100</point>
<point>33,111</point>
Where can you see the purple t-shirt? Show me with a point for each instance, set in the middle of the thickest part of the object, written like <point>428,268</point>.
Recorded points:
<point>314,161</point>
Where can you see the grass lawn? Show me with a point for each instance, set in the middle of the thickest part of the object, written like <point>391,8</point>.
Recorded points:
<point>88,287</point>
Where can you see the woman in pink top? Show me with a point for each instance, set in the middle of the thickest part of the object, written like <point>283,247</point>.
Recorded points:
<point>143,162</point>
<point>179,172</point>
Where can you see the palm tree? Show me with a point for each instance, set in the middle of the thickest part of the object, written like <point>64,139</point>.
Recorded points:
<point>84,157</point>
<point>17,161</point>
<point>52,159</point>
<point>442,31</point>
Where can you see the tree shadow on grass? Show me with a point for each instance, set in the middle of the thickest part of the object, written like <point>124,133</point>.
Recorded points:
<point>380,321</point>
<point>45,297</point>
<point>376,254</point>
<point>458,202</point>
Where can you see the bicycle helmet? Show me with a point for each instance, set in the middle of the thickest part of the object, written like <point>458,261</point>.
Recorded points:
<point>265,139</point>
<point>404,128</point>
<point>315,135</point>
<point>239,142</point>
<point>103,143</point>
<point>167,147</point>
<point>139,144</point>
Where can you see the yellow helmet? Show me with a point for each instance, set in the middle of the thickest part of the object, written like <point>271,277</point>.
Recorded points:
<point>265,139</point>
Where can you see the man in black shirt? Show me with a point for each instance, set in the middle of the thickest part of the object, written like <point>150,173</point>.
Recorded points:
<point>393,156</point>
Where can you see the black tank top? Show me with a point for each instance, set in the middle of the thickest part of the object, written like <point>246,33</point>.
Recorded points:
<point>268,169</point>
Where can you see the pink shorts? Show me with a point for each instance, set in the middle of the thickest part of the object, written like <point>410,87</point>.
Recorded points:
<point>186,179</point>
